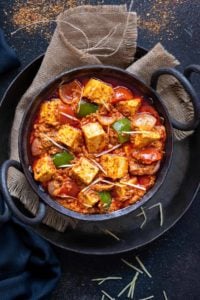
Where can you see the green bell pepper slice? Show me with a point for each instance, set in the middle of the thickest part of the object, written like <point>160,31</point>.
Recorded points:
<point>105,198</point>
<point>120,126</point>
<point>62,158</point>
<point>86,108</point>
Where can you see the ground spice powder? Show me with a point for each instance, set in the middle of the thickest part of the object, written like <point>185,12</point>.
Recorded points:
<point>160,16</point>
<point>38,13</point>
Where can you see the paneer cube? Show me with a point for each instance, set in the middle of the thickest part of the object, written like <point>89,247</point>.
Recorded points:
<point>116,166</point>
<point>95,137</point>
<point>124,192</point>
<point>49,112</point>
<point>85,171</point>
<point>89,198</point>
<point>43,169</point>
<point>98,91</point>
<point>145,138</point>
<point>129,107</point>
<point>69,136</point>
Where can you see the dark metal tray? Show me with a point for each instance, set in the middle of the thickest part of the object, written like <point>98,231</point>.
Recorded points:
<point>176,194</point>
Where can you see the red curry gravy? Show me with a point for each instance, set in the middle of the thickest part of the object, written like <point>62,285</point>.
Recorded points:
<point>96,146</point>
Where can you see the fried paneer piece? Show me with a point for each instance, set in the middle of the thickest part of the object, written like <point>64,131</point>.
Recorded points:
<point>69,136</point>
<point>89,198</point>
<point>43,169</point>
<point>95,137</point>
<point>143,139</point>
<point>116,166</point>
<point>49,112</point>
<point>85,171</point>
<point>129,107</point>
<point>98,91</point>
<point>124,192</point>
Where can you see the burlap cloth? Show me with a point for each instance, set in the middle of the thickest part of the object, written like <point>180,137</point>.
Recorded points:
<point>94,35</point>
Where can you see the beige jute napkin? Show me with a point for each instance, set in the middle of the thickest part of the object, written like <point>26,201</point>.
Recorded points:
<point>109,38</point>
<point>177,101</point>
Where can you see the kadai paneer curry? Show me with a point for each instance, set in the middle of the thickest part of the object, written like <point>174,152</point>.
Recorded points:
<point>96,146</point>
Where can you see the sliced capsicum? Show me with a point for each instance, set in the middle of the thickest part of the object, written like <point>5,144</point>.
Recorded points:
<point>62,158</point>
<point>105,198</point>
<point>86,108</point>
<point>120,126</point>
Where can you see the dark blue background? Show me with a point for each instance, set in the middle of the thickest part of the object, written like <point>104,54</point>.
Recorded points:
<point>174,259</point>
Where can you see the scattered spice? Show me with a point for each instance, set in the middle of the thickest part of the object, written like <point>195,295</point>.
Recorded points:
<point>37,15</point>
<point>151,25</point>
<point>161,18</point>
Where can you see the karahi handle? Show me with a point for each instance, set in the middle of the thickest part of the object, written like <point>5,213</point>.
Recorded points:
<point>8,199</point>
<point>183,79</point>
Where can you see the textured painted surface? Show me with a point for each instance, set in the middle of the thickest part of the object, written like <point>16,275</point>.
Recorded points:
<point>174,259</point>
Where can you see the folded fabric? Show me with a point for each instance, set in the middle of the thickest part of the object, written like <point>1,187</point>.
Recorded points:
<point>8,58</point>
<point>28,266</point>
